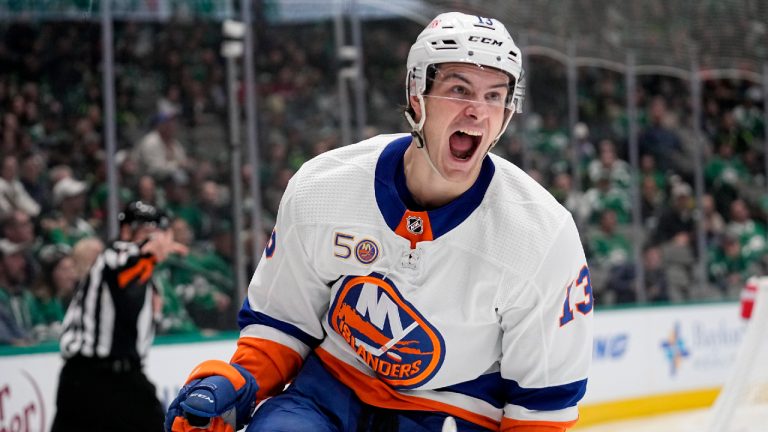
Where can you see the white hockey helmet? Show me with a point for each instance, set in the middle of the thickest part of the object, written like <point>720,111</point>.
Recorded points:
<point>454,37</point>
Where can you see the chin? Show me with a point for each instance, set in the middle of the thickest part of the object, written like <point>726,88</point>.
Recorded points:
<point>467,171</point>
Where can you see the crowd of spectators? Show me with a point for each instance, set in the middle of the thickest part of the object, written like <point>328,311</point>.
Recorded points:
<point>53,190</point>
<point>171,124</point>
<point>733,206</point>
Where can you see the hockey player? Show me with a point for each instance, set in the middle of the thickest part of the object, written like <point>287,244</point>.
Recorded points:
<point>108,329</point>
<point>415,277</point>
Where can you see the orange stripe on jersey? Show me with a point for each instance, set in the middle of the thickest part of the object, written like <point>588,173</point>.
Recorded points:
<point>217,367</point>
<point>272,364</point>
<point>512,425</point>
<point>415,227</point>
<point>375,392</point>
<point>142,269</point>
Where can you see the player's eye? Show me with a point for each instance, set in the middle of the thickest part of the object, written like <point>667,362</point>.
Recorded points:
<point>494,97</point>
<point>459,90</point>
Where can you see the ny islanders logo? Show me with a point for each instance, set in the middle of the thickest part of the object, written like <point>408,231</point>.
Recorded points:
<point>386,332</point>
<point>367,251</point>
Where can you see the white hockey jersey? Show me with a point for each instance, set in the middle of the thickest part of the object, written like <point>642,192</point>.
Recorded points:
<point>481,308</point>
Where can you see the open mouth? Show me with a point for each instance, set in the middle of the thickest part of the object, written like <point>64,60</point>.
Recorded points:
<point>463,143</point>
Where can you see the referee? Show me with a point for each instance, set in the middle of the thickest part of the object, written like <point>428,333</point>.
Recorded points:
<point>108,329</point>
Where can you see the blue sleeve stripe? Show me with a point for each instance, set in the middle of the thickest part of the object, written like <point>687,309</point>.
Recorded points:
<point>546,398</point>
<point>497,391</point>
<point>488,388</point>
<point>248,316</point>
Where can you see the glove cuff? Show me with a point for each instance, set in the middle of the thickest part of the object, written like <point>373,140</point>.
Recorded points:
<point>218,367</point>
<point>243,382</point>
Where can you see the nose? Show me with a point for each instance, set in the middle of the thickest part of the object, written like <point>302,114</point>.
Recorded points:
<point>476,110</point>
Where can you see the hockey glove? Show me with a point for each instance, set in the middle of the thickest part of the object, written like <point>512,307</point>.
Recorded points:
<point>217,397</point>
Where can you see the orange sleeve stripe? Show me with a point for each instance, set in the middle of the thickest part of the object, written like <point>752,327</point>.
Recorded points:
<point>142,269</point>
<point>273,364</point>
<point>218,367</point>
<point>512,425</point>
<point>375,392</point>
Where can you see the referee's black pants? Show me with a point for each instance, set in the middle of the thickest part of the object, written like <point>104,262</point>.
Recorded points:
<point>101,395</point>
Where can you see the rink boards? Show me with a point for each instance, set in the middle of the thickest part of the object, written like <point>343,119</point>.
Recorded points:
<point>646,360</point>
<point>658,360</point>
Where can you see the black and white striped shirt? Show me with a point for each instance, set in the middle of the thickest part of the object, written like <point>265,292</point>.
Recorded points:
<point>111,315</point>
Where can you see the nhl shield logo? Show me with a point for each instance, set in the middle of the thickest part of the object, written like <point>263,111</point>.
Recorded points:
<point>415,225</point>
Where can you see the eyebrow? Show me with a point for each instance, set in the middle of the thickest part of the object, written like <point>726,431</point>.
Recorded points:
<point>461,77</point>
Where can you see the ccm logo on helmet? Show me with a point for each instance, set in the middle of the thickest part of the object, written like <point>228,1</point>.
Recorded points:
<point>485,40</point>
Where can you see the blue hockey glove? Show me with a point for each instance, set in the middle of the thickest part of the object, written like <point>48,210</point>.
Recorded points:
<point>217,397</point>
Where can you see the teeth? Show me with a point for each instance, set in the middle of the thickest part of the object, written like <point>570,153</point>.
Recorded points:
<point>471,132</point>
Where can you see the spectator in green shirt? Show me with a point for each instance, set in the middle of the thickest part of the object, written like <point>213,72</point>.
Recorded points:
<point>609,251</point>
<point>749,232</point>
<point>726,176</point>
<point>609,165</point>
<point>54,288</point>
<point>67,223</point>
<point>175,318</point>
<point>728,268</point>
<point>607,245</point>
<point>205,281</point>
<point>15,296</point>
<point>605,196</point>
<point>181,203</point>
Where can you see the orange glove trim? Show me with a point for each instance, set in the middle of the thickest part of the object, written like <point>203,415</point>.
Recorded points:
<point>217,367</point>
<point>180,424</point>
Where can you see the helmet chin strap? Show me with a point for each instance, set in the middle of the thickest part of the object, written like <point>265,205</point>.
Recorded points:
<point>501,132</point>
<point>418,134</point>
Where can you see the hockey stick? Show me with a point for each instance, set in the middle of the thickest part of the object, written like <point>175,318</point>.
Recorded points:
<point>378,352</point>
<point>384,348</point>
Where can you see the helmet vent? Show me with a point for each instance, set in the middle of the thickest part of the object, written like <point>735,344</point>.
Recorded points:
<point>445,44</point>
<point>512,55</point>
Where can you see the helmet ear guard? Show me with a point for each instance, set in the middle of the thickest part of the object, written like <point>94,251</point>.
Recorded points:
<point>416,127</point>
<point>518,93</point>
